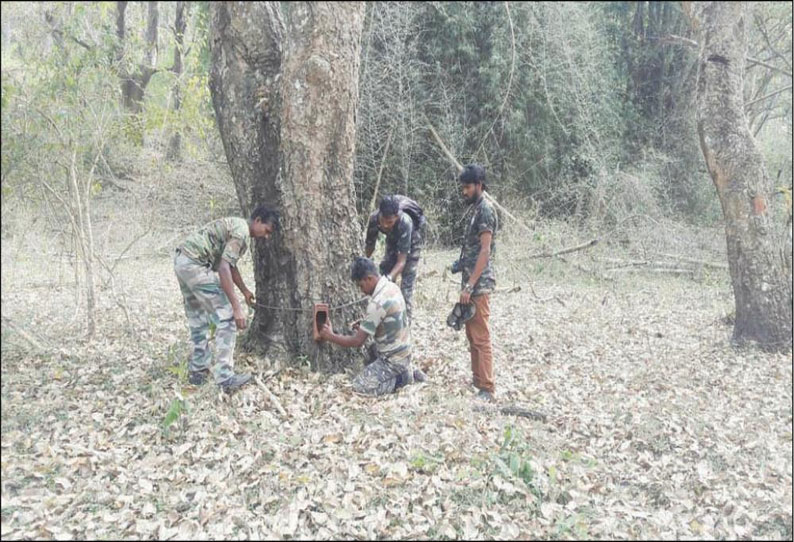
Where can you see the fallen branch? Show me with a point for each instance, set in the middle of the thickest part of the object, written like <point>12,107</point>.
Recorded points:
<point>704,263</point>
<point>568,250</point>
<point>655,270</point>
<point>271,397</point>
<point>621,264</point>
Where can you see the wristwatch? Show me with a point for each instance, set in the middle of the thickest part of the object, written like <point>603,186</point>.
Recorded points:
<point>468,288</point>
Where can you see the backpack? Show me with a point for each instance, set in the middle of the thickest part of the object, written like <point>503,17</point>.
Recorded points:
<point>411,208</point>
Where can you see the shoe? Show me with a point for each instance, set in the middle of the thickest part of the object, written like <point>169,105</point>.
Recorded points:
<point>198,378</point>
<point>459,315</point>
<point>404,379</point>
<point>234,383</point>
<point>419,376</point>
<point>485,396</point>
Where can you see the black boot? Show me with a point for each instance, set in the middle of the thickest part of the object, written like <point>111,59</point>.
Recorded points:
<point>234,383</point>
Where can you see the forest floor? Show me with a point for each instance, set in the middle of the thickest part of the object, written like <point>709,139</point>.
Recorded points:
<point>656,427</point>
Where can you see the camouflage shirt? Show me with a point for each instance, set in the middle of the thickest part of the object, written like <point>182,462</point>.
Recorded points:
<point>398,240</point>
<point>404,236</point>
<point>225,238</point>
<point>386,321</point>
<point>483,219</point>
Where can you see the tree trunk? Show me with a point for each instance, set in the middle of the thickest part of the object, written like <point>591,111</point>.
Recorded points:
<point>180,23</point>
<point>761,284</point>
<point>284,84</point>
<point>133,85</point>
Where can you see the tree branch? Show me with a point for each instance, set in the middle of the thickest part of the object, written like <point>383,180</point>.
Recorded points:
<point>672,39</point>
<point>752,60</point>
<point>762,98</point>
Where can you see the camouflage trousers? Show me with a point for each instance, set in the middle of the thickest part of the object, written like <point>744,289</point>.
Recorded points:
<point>381,376</point>
<point>206,302</point>
<point>408,275</point>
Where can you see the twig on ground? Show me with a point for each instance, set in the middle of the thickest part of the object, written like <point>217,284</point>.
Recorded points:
<point>33,341</point>
<point>542,299</point>
<point>512,410</point>
<point>271,397</point>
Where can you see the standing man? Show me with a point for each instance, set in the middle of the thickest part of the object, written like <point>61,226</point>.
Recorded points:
<point>385,321</point>
<point>478,279</point>
<point>206,267</point>
<point>404,224</point>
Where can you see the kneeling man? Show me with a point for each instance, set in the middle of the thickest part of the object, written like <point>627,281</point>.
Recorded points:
<point>386,322</point>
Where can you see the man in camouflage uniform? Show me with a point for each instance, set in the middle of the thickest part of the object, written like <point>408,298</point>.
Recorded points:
<point>206,267</point>
<point>385,321</point>
<point>404,224</point>
<point>479,278</point>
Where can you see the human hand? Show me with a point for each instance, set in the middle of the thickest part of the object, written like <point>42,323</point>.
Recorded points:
<point>355,325</point>
<point>249,298</point>
<point>327,330</point>
<point>239,318</point>
<point>465,297</point>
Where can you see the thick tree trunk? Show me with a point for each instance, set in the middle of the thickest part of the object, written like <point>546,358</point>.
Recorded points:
<point>285,89</point>
<point>761,284</point>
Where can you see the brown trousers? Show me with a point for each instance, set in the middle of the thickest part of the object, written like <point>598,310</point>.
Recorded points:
<point>480,344</point>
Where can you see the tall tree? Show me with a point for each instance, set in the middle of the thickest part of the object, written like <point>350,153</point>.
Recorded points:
<point>761,283</point>
<point>180,24</point>
<point>284,83</point>
<point>133,83</point>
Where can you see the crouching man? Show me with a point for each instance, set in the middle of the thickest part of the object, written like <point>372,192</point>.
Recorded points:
<point>386,322</point>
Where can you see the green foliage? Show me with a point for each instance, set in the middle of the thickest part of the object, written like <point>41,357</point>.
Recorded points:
<point>177,362</point>
<point>175,410</point>
<point>425,463</point>
<point>552,124</point>
<point>560,101</point>
<point>513,460</point>
<point>595,92</point>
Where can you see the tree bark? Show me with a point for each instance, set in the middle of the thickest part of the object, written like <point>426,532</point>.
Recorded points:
<point>180,24</point>
<point>756,254</point>
<point>133,85</point>
<point>284,84</point>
